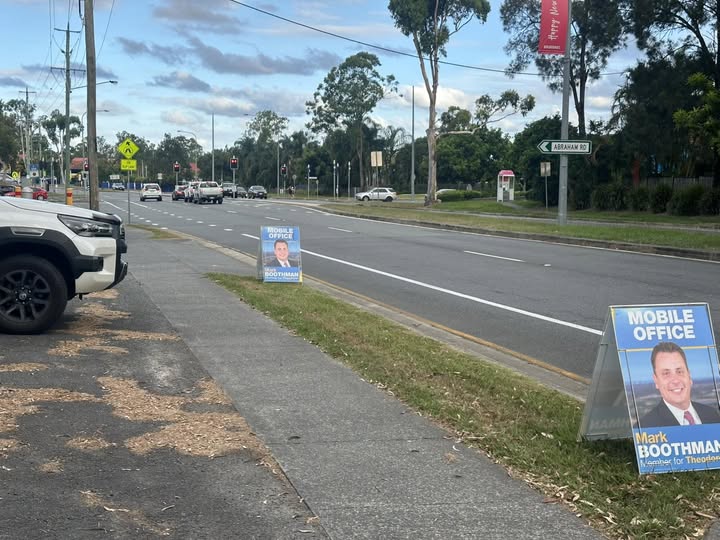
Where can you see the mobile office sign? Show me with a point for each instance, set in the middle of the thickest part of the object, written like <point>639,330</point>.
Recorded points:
<point>279,258</point>
<point>638,396</point>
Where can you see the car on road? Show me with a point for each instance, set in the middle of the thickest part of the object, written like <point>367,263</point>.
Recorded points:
<point>190,191</point>
<point>7,189</point>
<point>50,253</point>
<point>377,194</point>
<point>179,193</point>
<point>117,186</point>
<point>39,194</point>
<point>229,190</point>
<point>241,192</point>
<point>257,192</point>
<point>151,191</point>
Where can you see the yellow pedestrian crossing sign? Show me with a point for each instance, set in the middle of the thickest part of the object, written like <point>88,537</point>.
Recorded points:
<point>128,148</point>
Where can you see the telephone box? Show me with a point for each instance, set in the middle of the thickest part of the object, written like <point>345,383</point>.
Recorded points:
<point>505,186</point>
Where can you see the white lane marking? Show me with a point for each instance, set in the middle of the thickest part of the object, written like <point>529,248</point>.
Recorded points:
<point>231,212</point>
<point>338,229</point>
<point>155,224</point>
<point>251,236</point>
<point>461,295</point>
<point>163,228</point>
<point>493,256</point>
<point>111,204</point>
<point>273,218</point>
<point>212,225</point>
<point>188,219</point>
<point>228,230</point>
<point>199,222</point>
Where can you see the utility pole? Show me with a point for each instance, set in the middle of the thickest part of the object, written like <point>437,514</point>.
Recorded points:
<point>91,105</point>
<point>68,90</point>
<point>26,139</point>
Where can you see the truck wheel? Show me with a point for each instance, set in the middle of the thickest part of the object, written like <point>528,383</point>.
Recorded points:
<point>33,295</point>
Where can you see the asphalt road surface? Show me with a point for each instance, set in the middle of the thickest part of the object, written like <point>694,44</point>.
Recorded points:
<point>545,300</point>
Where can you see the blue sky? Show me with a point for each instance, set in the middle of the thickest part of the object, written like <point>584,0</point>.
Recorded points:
<point>178,62</point>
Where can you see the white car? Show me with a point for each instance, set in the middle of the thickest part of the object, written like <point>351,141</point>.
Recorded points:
<point>50,253</point>
<point>377,194</point>
<point>151,191</point>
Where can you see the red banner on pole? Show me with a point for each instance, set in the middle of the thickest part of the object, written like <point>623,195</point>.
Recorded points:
<point>553,26</point>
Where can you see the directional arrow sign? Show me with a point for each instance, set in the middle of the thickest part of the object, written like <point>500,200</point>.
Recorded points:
<point>128,148</point>
<point>565,147</point>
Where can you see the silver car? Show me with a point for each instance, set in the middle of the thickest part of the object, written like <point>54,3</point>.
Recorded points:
<point>151,191</point>
<point>377,194</point>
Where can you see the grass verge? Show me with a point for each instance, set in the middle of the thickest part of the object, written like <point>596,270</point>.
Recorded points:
<point>625,233</point>
<point>157,233</point>
<point>522,425</point>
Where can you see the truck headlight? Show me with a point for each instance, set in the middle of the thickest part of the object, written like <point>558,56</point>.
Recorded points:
<point>86,226</point>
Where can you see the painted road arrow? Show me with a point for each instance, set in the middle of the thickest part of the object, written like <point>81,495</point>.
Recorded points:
<point>565,147</point>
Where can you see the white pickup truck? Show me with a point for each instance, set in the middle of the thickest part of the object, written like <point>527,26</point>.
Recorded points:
<point>208,191</point>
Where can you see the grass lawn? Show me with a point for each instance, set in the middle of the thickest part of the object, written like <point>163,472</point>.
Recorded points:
<point>527,428</point>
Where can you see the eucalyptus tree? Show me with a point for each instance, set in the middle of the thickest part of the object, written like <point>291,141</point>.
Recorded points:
<point>55,126</point>
<point>431,24</point>
<point>8,137</point>
<point>349,92</point>
<point>597,31</point>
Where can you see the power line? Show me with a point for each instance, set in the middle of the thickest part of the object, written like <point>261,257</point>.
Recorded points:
<point>386,49</point>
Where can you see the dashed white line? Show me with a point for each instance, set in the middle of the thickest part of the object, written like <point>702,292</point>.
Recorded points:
<point>338,229</point>
<point>493,256</point>
<point>273,218</point>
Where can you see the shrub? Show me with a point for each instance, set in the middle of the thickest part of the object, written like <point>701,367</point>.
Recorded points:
<point>685,202</point>
<point>660,197</point>
<point>609,197</point>
<point>639,199</point>
<point>709,204</point>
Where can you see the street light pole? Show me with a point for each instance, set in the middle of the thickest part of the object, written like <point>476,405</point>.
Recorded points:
<point>412,149</point>
<point>195,138</point>
<point>278,167</point>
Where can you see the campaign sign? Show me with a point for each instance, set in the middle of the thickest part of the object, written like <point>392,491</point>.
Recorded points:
<point>669,364</point>
<point>280,254</point>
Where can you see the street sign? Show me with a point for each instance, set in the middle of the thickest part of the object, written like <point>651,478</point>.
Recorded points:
<point>128,148</point>
<point>128,164</point>
<point>114,177</point>
<point>565,147</point>
<point>545,168</point>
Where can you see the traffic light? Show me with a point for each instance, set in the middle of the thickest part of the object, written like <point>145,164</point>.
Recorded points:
<point>86,166</point>
<point>233,163</point>
<point>176,167</point>
<point>283,170</point>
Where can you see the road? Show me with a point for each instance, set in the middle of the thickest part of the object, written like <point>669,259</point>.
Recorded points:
<point>548,301</point>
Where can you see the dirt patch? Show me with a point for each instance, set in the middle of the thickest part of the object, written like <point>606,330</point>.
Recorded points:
<point>54,466</point>
<point>89,443</point>
<point>135,517</point>
<point>7,446</point>
<point>109,294</point>
<point>208,434</point>
<point>96,337</point>
<point>69,349</point>
<point>26,367</point>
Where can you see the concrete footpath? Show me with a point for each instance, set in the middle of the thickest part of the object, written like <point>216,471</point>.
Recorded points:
<point>364,464</point>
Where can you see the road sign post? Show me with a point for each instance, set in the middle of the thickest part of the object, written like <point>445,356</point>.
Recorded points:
<point>545,172</point>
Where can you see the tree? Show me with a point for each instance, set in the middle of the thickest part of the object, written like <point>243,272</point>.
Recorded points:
<point>55,126</point>
<point>431,23</point>
<point>703,122</point>
<point>597,31</point>
<point>690,26</point>
<point>347,95</point>
<point>266,126</point>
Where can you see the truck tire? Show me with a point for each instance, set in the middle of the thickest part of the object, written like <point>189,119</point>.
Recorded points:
<point>33,295</point>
